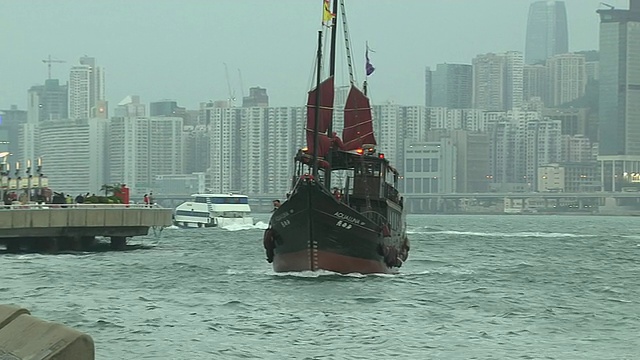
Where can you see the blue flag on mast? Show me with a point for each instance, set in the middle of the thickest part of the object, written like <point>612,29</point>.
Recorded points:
<point>368,67</point>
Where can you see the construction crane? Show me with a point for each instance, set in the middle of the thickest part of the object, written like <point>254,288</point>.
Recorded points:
<point>232,94</point>
<point>49,61</point>
<point>241,83</point>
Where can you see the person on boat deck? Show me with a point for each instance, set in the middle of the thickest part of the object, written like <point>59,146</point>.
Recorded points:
<point>337,194</point>
<point>146,199</point>
<point>337,141</point>
<point>276,205</point>
<point>150,198</point>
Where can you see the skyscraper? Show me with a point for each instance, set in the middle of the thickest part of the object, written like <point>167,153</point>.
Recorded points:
<point>547,33</point>
<point>86,89</point>
<point>48,102</point>
<point>450,86</point>
<point>619,105</point>
<point>497,81</point>
<point>567,78</point>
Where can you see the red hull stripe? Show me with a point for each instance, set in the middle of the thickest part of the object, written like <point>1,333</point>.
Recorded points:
<point>300,261</point>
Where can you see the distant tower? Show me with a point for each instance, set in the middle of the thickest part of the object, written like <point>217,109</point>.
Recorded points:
<point>450,86</point>
<point>547,33</point>
<point>257,98</point>
<point>86,89</point>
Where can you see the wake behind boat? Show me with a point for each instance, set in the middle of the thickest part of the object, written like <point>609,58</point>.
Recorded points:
<point>211,210</point>
<point>358,226</point>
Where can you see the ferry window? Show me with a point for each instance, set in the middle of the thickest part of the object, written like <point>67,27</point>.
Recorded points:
<point>426,185</point>
<point>417,186</point>
<point>192,213</point>
<point>418,166</point>
<point>201,199</point>
<point>434,165</point>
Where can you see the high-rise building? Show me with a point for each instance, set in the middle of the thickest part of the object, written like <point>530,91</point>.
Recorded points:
<point>166,108</point>
<point>11,120</point>
<point>567,78</point>
<point>547,33</point>
<point>257,98</point>
<point>141,148</point>
<point>472,158</point>
<point>48,102</point>
<point>497,81</point>
<point>450,86</point>
<point>535,82</point>
<point>86,89</point>
<point>130,106</point>
<point>252,148</point>
<point>72,152</point>
<point>619,104</point>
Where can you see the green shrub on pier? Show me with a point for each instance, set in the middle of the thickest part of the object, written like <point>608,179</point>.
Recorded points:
<point>103,200</point>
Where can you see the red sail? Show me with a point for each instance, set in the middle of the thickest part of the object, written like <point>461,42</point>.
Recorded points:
<point>325,113</point>
<point>358,123</point>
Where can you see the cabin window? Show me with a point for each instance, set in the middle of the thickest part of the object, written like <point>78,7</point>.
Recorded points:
<point>192,213</point>
<point>222,200</point>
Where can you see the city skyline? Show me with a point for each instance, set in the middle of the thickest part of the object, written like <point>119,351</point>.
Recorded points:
<point>140,55</point>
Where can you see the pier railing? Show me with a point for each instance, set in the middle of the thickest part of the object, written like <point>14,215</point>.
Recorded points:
<point>33,206</point>
<point>37,219</point>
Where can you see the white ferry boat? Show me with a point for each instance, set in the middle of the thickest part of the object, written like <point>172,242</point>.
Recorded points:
<point>209,210</point>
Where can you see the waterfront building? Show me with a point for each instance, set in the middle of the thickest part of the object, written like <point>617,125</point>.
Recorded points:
<point>430,168</point>
<point>619,100</point>
<point>72,152</point>
<point>472,158</point>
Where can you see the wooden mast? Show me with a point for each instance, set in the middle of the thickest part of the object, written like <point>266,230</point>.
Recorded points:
<point>332,71</point>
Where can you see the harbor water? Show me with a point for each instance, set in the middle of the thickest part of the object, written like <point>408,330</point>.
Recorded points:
<point>474,287</point>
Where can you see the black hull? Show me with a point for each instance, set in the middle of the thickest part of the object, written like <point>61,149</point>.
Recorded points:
<point>313,231</point>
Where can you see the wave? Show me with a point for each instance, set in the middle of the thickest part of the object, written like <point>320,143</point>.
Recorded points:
<point>237,227</point>
<point>501,234</point>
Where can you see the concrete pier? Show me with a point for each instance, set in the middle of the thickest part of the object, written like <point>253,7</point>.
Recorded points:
<point>23,336</point>
<point>52,228</point>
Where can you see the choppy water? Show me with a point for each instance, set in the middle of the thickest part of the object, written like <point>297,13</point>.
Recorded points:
<point>495,287</point>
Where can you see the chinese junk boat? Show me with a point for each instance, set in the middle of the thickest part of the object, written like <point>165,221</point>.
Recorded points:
<point>359,228</point>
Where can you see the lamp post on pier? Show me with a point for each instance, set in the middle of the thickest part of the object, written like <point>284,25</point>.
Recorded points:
<point>4,174</point>
<point>28,174</point>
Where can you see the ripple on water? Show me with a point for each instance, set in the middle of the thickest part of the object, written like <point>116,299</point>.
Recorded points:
<point>474,287</point>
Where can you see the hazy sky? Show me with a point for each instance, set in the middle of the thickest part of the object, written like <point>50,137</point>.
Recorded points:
<point>175,49</point>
